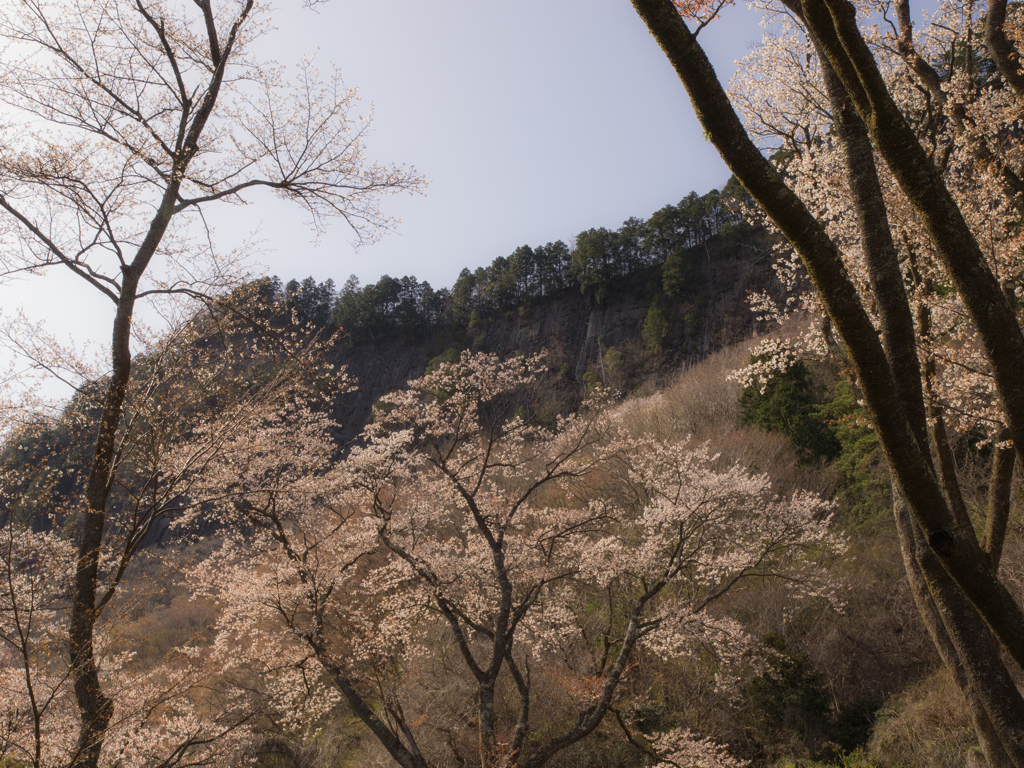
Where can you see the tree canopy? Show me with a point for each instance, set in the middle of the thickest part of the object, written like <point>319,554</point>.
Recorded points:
<point>123,122</point>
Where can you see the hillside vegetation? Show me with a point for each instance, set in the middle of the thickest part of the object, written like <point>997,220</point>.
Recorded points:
<point>847,674</point>
<point>618,306</point>
<point>347,651</point>
<point>557,514</point>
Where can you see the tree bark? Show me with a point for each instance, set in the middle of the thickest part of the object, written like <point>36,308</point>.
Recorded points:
<point>1000,488</point>
<point>95,708</point>
<point>1001,746</point>
<point>910,544</point>
<point>1000,48</point>
<point>960,555</point>
<point>898,339</point>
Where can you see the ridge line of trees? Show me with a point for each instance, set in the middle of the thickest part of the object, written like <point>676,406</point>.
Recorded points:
<point>593,263</point>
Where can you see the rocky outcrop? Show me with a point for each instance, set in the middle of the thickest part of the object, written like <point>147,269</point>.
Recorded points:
<point>576,332</point>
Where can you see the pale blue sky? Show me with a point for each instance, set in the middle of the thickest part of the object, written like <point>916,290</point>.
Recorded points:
<point>535,120</point>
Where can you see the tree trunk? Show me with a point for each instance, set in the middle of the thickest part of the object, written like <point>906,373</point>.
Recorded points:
<point>946,556</point>
<point>991,695</point>
<point>95,708</point>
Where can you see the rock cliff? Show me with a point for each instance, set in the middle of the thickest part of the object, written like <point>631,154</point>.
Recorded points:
<point>577,333</point>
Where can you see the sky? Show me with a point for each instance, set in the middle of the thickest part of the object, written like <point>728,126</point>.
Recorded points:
<point>533,120</point>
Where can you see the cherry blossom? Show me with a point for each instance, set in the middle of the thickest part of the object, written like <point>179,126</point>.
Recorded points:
<point>531,554</point>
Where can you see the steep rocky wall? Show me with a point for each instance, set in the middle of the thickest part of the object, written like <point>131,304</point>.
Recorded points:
<point>567,326</point>
<point>377,369</point>
<point>576,333</point>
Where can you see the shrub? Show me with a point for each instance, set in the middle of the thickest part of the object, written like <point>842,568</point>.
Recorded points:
<point>788,699</point>
<point>928,725</point>
<point>866,488</point>
<point>786,404</point>
<point>655,326</point>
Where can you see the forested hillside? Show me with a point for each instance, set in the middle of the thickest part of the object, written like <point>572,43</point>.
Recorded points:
<point>625,308</point>
<point>618,307</point>
<point>736,485</point>
<point>804,638</point>
<point>758,669</point>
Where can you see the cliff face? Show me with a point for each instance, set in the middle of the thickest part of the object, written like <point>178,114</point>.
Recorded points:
<point>565,326</point>
<point>571,328</point>
<point>377,369</point>
<point>576,332</point>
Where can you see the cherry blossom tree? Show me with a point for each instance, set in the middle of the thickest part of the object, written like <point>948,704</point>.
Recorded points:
<point>123,122</point>
<point>902,198</point>
<point>508,559</point>
<point>185,708</point>
<point>682,749</point>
